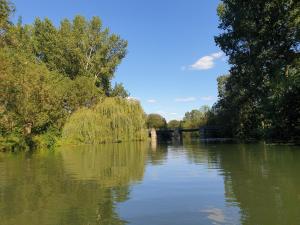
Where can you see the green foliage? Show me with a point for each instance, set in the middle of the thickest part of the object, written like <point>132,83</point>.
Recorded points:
<point>76,48</point>
<point>259,96</point>
<point>195,118</point>
<point>119,91</point>
<point>30,99</point>
<point>111,120</point>
<point>6,9</point>
<point>156,121</point>
<point>33,99</point>
<point>48,72</point>
<point>172,124</point>
<point>13,142</point>
<point>80,92</point>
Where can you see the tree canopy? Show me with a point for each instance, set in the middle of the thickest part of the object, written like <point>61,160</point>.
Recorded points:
<point>47,73</point>
<point>260,97</point>
<point>172,124</point>
<point>75,48</point>
<point>156,121</point>
<point>196,118</point>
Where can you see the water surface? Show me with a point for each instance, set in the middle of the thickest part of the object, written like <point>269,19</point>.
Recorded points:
<point>139,184</point>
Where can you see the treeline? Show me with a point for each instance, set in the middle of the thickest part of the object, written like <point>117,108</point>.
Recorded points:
<point>193,119</point>
<point>260,98</point>
<point>47,73</point>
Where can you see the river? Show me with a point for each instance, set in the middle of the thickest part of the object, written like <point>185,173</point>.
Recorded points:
<point>139,184</point>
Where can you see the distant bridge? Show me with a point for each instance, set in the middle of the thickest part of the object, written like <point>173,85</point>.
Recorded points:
<point>205,132</point>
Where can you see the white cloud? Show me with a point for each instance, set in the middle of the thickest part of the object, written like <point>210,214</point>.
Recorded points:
<point>133,98</point>
<point>217,55</point>
<point>151,101</point>
<point>207,98</point>
<point>188,99</point>
<point>173,113</point>
<point>206,62</point>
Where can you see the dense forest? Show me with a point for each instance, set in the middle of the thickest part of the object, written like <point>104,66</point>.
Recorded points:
<point>47,73</point>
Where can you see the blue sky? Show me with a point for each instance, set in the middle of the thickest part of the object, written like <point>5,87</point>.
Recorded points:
<point>172,62</point>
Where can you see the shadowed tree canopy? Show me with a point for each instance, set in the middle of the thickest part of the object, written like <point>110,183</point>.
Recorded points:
<point>156,121</point>
<point>174,124</point>
<point>260,97</point>
<point>195,118</point>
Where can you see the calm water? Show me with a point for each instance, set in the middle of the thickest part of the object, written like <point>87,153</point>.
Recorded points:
<point>189,184</point>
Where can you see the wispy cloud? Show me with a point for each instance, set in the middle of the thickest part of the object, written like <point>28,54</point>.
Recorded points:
<point>206,62</point>
<point>217,55</point>
<point>207,98</point>
<point>187,99</point>
<point>151,101</point>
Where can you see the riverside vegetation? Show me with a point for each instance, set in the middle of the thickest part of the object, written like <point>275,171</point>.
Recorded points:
<point>49,73</point>
<point>111,120</point>
<point>55,81</point>
<point>260,97</point>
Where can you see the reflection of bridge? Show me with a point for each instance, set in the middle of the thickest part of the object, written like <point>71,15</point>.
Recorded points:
<point>205,132</point>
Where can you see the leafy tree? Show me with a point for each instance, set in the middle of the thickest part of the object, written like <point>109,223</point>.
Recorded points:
<point>156,121</point>
<point>77,48</point>
<point>262,41</point>
<point>174,124</point>
<point>30,98</point>
<point>6,9</point>
<point>47,73</point>
<point>119,91</point>
<point>195,118</point>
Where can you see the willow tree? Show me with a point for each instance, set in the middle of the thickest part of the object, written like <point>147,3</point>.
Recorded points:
<point>111,120</point>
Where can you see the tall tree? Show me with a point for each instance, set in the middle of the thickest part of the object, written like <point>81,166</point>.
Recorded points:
<point>6,9</point>
<point>49,72</point>
<point>262,40</point>
<point>75,48</point>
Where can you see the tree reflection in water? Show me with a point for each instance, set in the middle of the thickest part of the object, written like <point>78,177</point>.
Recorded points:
<point>78,186</point>
<point>214,183</point>
<point>262,180</point>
